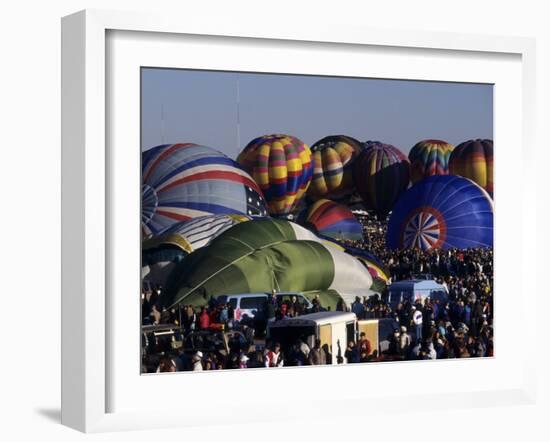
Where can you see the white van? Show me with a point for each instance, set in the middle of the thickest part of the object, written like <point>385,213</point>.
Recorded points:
<point>248,304</point>
<point>333,329</point>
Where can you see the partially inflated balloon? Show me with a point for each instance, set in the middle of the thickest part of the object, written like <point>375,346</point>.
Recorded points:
<point>261,256</point>
<point>442,211</point>
<point>333,158</point>
<point>184,181</point>
<point>474,159</point>
<point>381,174</point>
<point>429,157</point>
<point>281,165</point>
<point>334,220</point>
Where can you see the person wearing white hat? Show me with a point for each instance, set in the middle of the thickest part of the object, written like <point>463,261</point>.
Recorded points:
<point>417,322</point>
<point>404,341</point>
<point>243,361</point>
<point>197,361</point>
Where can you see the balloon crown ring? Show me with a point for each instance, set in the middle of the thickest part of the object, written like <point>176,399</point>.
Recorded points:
<point>424,228</point>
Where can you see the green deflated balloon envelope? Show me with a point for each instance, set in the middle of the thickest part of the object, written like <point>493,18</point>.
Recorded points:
<point>264,255</point>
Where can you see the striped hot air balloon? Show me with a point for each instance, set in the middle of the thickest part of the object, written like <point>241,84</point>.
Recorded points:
<point>429,157</point>
<point>333,158</point>
<point>474,159</point>
<point>381,174</point>
<point>281,165</point>
<point>195,233</point>
<point>332,219</point>
<point>184,181</point>
<point>442,211</point>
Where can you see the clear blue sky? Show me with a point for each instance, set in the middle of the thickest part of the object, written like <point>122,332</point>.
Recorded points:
<point>201,107</point>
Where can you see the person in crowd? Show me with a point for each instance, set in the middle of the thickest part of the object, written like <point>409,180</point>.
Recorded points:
<point>404,342</point>
<point>393,346</point>
<point>317,355</point>
<point>296,306</point>
<point>416,323</point>
<point>224,314</point>
<point>248,332</point>
<point>155,314</point>
<point>210,362</point>
<point>257,360</point>
<point>358,308</point>
<point>269,307</point>
<point>166,365</point>
<point>364,346</point>
<point>189,317</point>
<point>196,361</point>
<point>243,361</point>
<point>352,353</point>
<point>299,353</point>
<point>166,316</point>
<point>274,357</point>
<point>204,319</point>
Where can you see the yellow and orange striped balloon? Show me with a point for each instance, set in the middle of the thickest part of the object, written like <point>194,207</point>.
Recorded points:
<point>473,159</point>
<point>333,157</point>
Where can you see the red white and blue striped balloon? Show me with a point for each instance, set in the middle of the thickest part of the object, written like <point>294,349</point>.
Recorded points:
<point>328,218</point>
<point>185,181</point>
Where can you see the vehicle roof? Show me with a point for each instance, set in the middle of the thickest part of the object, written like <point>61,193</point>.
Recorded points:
<point>214,332</point>
<point>319,318</point>
<point>245,295</point>
<point>250,295</point>
<point>416,284</point>
<point>159,327</point>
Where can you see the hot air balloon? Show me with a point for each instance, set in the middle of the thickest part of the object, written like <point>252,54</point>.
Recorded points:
<point>333,158</point>
<point>442,211</point>
<point>163,251</point>
<point>429,157</point>
<point>264,255</point>
<point>184,181</point>
<point>474,159</point>
<point>281,165</point>
<point>381,174</point>
<point>331,219</point>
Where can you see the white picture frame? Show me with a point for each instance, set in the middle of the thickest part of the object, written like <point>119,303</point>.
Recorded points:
<point>92,180</point>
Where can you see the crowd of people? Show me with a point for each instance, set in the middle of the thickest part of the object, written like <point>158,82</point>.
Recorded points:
<point>462,327</point>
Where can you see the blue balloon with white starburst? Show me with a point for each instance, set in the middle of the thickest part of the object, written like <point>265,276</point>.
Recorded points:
<point>442,211</point>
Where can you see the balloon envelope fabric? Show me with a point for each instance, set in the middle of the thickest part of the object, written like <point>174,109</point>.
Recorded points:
<point>381,174</point>
<point>184,181</point>
<point>281,165</point>
<point>429,157</point>
<point>333,158</point>
<point>161,252</point>
<point>442,211</point>
<point>379,272</point>
<point>335,220</point>
<point>474,159</point>
<point>195,233</point>
<point>261,256</point>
